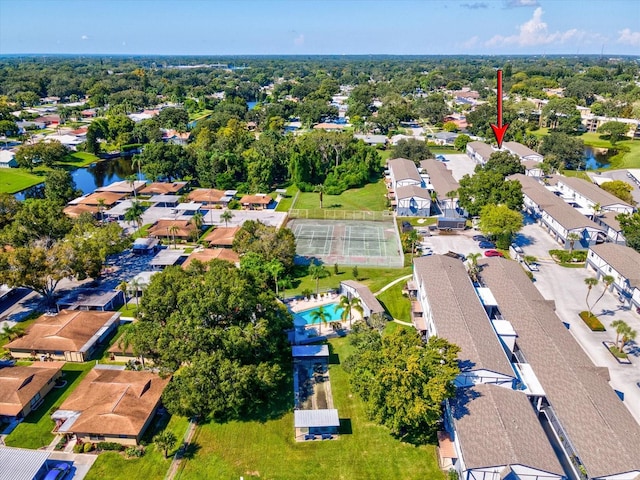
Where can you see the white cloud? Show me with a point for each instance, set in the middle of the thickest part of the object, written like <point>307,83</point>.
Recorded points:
<point>629,37</point>
<point>84,37</point>
<point>522,3</point>
<point>474,6</point>
<point>299,40</point>
<point>471,42</point>
<point>535,32</point>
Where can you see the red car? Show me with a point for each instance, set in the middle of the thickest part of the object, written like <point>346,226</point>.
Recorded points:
<point>493,253</point>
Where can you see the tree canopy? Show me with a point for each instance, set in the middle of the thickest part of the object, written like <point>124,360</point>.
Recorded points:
<point>620,189</point>
<point>269,242</point>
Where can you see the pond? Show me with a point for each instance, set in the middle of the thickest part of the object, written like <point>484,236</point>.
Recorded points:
<point>597,157</point>
<point>91,177</point>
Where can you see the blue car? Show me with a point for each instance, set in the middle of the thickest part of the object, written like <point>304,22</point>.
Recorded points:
<point>487,245</point>
<point>58,472</point>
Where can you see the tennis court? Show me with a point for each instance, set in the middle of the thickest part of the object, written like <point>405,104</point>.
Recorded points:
<point>347,243</point>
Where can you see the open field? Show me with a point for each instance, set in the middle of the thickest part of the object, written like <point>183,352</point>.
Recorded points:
<point>398,306</point>
<point>35,430</point>
<point>79,159</point>
<point>152,466</point>
<point>13,180</point>
<point>371,197</point>
<point>285,204</point>
<point>268,450</point>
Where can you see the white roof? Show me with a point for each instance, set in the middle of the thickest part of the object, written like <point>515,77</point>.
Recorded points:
<point>316,418</point>
<point>188,206</point>
<point>6,156</point>
<point>119,208</point>
<point>530,380</point>
<point>144,278</point>
<point>65,139</point>
<point>486,297</point>
<point>310,350</point>
<point>166,257</point>
<point>503,328</point>
<point>20,463</point>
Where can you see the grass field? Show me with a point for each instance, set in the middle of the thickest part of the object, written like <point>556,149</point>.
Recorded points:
<point>285,204</point>
<point>398,306</point>
<point>35,430</point>
<point>13,180</point>
<point>268,450</point>
<point>79,159</point>
<point>374,278</point>
<point>152,466</point>
<point>371,197</point>
<point>628,151</point>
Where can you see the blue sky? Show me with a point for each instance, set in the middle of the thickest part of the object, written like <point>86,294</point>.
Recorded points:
<point>237,27</point>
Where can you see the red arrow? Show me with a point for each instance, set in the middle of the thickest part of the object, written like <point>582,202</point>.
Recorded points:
<point>499,130</point>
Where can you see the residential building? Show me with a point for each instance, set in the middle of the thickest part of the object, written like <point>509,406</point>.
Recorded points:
<point>8,159</point>
<point>479,152</point>
<point>208,254</point>
<point>404,173</point>
<point>441,178</point>
<point>588,194</point>
<point>522,151</point>
<point>208,196</point>
<point>445,138</point>
<point>172,229</point>
<point>259,201</point>
<point>413,201</point>
<point>612,226</point>
<point>623,264</point>
<point>163,188</point>
<point>22,389</point>
<point>372,139</point>
<point>74,211</point>
<point>91,299</point>
<point>558,217</point>
<point>124,186</point>
<point>572,396</point>
<point>446,304</point>
<point>222,237</point>
<point>69,335</point>
<point>111,406</point>
<point>532,168</point>
<point>99,199</point>
<point>368,301</point>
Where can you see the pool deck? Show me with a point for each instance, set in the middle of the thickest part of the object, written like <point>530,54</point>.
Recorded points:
<point>307,304</point>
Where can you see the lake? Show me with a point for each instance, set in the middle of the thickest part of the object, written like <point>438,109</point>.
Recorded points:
<point>89,178</point>
<point>597,157</point>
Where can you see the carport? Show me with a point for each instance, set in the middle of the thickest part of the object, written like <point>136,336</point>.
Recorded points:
<point>22,464</point>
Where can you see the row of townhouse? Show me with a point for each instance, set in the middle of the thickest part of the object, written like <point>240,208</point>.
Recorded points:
<point>480,152</point>
<point>623,264</point>
<point>573,205</point>
<point>529,404</point>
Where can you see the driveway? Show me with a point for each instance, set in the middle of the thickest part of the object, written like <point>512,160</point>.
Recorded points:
<point>567,288</point>
<point>459,164</point>
<point>81,463</point>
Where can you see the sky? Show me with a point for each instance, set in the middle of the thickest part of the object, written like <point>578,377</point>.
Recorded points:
<point>310,27</point>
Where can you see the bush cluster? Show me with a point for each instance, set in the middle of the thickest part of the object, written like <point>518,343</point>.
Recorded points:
<point>564,256</point>
<point>134,452</point>
<point>110,446</point>
<point>592,322</point>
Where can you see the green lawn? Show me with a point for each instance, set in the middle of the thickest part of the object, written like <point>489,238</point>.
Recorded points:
<point>79,159</point>
<point>195,116</point>
<point>396,304</point>
<point>13,180</point>
<point>371,197</point>
<point>374,278</point>
<point>35,430</point>
<point>628,151</point>
<point>285,204</point>
<point>152,466</point>
<point>268,450</point>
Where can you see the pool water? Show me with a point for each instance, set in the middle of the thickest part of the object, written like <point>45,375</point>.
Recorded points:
<point>333,314</point>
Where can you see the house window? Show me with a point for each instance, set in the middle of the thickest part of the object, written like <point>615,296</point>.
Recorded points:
<point>35,399</point>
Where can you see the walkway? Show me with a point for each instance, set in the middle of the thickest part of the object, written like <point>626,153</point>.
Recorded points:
<point>389,285</point>
<point>177,458</point>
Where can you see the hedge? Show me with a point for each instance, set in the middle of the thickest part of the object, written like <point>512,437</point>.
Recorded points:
<point>592,322</point>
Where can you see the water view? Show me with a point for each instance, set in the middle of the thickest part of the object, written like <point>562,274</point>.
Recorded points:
<point>597,157</point>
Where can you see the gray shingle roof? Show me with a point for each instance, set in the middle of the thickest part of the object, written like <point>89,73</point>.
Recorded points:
<point>591,191</point>
<point>402,169</point>
<point>458,315</point>
<point>440,177</point>
<point>604,433</point>
<point>412,191</point>
<point>561,211</point>
<point>498,426</point>
<point>366,296</point>
<point>481,149</point>
<point>520,149</point>
<point>623,259</point>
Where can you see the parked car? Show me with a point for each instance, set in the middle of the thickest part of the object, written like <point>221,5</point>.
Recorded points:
<point>58,472</point>
<point>459,256</point>
<point>480,238</point>
<point>517,248</point>
<point>487,244</point>
<point>493,253</point>
<point>406,227</point>
<point>441,158</point>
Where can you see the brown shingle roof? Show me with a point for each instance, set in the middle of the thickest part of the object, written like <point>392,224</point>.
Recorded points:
<point>519,149</point>
<point>623,259</point>
<point>114,402</point>
<point>458,314</point>
<point>206,195</point>
<point>497,427</point>
<point>18,385</point>
<point>75,211</point>
<point>109,198</point>
<point>605,435</point>
<point>222,236</point>
<point>68,330</point>
<point>367,297</point>
<point>561,211</point>
<point>403,169</point>
<point>209,254</point>
<point>163,188</point>
<point>162,228</point>
<point>591,191</point>
<point>255,200</point>
<point>440,177</point>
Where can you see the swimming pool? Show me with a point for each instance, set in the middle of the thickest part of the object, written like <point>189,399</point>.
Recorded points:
<point>333,314</point>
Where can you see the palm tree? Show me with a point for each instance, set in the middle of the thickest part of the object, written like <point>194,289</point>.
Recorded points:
<point>275,268</point>
<point>320,316</point>
<point>349,305</point>
<point>320,190</point>
<point>134,286</point>
<point>590,282</point>
<point>573,238</point>
<point>131,180</point>
<point>173,229</point>
<point>317,272</point>
<point>620,326</point>
<point>197,220</point>
<point>101,207</point>
<point>226,217</point>
<point>165,441</point>
<point>597,208</point>
<point>134,213</point>
<point>137,162</point>
<point>628,334</point>
<point>124,288</point>
<point>451,195</point>
<point>608,281</point>
<point>473,267</point>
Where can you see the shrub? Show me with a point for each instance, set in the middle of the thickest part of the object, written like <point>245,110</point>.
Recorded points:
<point>564,256</point>
<point>110,446</point>
<point>61,444</point>
<point>87,447</point>
<point>234,205</point>
<point>134,452</point>
<point>592,322</point>
<point>77,448</point>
